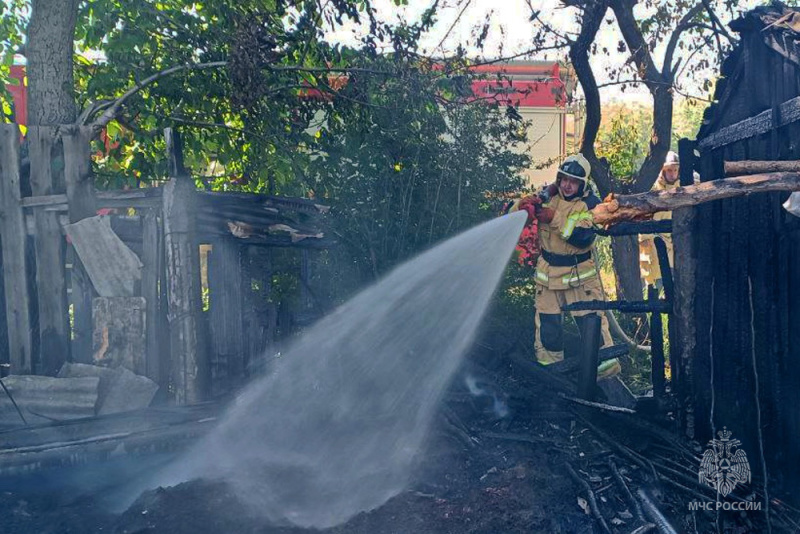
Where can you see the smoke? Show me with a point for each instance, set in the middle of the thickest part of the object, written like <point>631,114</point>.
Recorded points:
<point>499,405</point>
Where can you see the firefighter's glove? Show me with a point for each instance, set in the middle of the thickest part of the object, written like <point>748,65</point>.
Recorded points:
<point>531,205</point>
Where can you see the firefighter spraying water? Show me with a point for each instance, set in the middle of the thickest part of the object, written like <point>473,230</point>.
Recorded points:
<point>560,236</point>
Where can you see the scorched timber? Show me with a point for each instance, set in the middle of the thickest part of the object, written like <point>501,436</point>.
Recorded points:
<point>741,168</point>
<point>635,207</point>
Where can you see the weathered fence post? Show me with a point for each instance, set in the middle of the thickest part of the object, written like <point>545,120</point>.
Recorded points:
<point>306,302</point>
<point>226,312</point>
<point>47,161</point>
<point>657,344</point>
<point>81,204</point>
<point>153,265</point>
<point>669,296</point>
<point>682,320</point>
<point>590,346</point>
<point>189,360</point>
<point>15,268</point>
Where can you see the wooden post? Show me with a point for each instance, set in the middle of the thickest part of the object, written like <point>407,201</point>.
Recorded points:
<point>305,279</point>
<point>189,362</point>
<point>151,258</point>
<point>15,267</point>
<point>682,320</point>
<point>4,350</point>
<point>81,203</point>
<point>590,346</point>
<point>47,162</point>
<point>163,333</point>
<point>226,313</point>
<point>739,168</point>
<point>657,346</point>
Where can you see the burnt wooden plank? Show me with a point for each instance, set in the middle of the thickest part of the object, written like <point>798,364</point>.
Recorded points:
<point>226,314</point>
<point>637,228</point>
<point>81,204</point>
<point>682,320</point>
<point>789,112</point>
<point>15,265</point>
<point>47,161</point>
<point>789,369</point>
<point>101,440</point>
<point>190,367</point>
<point>151,260</point>
<point>704,289</point>
<point>147,198</point>
<point>657,347</point>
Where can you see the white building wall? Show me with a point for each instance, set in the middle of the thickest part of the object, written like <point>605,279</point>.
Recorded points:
<point>544,144</point>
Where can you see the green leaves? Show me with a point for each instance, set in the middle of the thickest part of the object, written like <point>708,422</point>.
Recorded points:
<point>410,168</point>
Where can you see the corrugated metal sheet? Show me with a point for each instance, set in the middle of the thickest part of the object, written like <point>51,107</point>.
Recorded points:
<point>44,399</point>
<point>100,441</point>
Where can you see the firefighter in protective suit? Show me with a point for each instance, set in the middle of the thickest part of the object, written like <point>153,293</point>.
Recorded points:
<point>565,271</point>
<point>648,258</point>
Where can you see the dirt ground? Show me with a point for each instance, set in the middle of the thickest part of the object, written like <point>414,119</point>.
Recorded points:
<point>480,474</point>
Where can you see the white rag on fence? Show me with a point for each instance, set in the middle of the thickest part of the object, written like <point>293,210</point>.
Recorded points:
<point>112,267</point>
<point>793,204</point>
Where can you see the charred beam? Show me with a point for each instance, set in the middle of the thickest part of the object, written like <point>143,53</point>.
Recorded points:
<point>625,306</point>
<point>637,228</point>
<point>741,168</point>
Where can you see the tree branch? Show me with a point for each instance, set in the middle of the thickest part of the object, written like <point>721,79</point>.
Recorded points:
<point>662,94</point>
<point>579,56</point>
<point>215,125</point>
<point>114,109</point>
<point>682,26</point>
<point>718,23</point>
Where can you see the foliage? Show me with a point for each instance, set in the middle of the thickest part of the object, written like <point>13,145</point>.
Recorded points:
<point>624,134</point>
<point>245,116</point>
<point>622,140</point>
<point>686,119</point>
<point>417,164</point>
<point>12,25</point>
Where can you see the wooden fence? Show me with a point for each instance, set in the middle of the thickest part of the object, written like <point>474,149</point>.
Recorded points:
<point>127,289</point>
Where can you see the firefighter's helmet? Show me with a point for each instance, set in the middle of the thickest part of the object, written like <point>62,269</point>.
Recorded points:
<point>577,167</point>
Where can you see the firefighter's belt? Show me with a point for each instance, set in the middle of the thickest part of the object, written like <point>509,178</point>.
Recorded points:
<point>565,260</point>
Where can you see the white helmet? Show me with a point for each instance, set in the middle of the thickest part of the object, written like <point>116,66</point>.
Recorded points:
<point>671,159</point>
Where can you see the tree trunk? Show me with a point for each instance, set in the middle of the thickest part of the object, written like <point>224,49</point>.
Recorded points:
<point>625,251</point>
<point>49,50</point>
<point>51,103</point>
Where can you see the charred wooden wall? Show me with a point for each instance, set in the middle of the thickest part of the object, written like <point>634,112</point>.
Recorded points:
<point>747,288</point>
